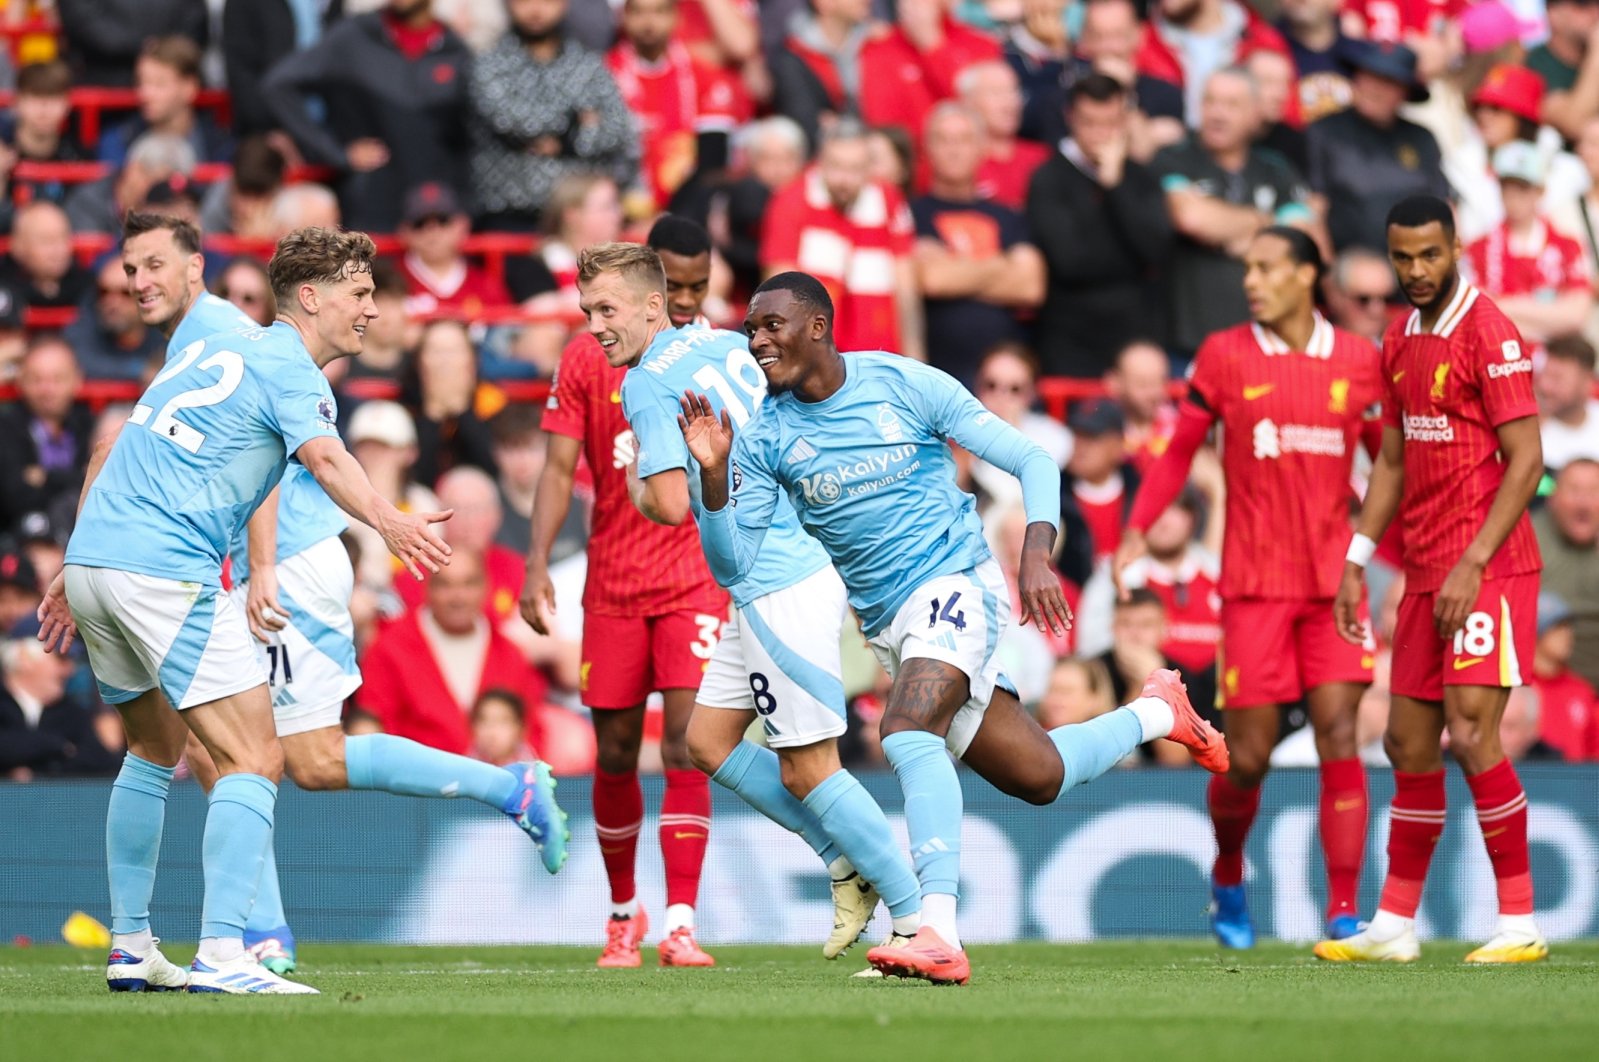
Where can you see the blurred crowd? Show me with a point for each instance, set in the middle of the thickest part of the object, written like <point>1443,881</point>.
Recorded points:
<point>1021,192</point>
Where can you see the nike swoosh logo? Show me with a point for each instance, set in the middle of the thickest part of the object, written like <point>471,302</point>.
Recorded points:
<point>1400,375</point>
<point>680,835</point>
<point>1349,805</point>
<point>1252,393</point>
<point>1463,662</point>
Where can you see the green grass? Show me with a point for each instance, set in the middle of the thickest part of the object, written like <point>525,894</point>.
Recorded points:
<point>1179,1000</point>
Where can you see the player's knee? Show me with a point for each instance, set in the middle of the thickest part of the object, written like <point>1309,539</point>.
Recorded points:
<point>1410,755</point>
<point>1335,740</point>
<point>1471,744</point>
<point>616,754</point>
<point>265,759</point>
<point>706,750</point>
<point>1247,768</point>
<point>319,775</point>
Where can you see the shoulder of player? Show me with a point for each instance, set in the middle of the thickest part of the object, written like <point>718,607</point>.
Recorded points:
<point>1224,347</point>
<point>882,365</point>
<point>1347,346</point>
<point>1486,324</point>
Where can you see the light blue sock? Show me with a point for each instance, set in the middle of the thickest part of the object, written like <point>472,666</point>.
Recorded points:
<point>849,813</point>
<point>133,823</point>
<point>756,776</point>
<point>1090,749</point>
<point>238,829</point>
<point>932,807</point>
<point>398,765</point>
<point>267,914</point>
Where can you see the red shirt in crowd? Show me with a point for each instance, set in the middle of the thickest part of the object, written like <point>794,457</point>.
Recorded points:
<point>900,83</point>
<point>635,567</point>
<point>1448,391</point>
<point>1191,593</point>
<point>854,252</point>
<point>1005,180</point>
<point>1144,446</point>
<point>1103,507</point>
<point>404,687</point>
<point>1568,715</point>
<point>1545,262</point>
<point>674,99</point>
<point>1391,21</point>
<point>464,290</point>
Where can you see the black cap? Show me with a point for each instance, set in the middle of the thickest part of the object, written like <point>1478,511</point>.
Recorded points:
<point>1392,61</point>
<point>16,570</point>
<point>42,527</point>
<point>431,200</point>
<point>176,188</point>
<point>1096,417</point>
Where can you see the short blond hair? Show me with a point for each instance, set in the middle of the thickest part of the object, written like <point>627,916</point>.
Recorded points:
<point>636,263</point>
<point>317,256</point>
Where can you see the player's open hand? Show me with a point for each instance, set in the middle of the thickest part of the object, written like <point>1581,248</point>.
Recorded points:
<point>410,537</point>
<point>538,597</point>
<point>56,628</point>
<point>1132,547</point>
<point>1043,602</point>
<point>708,437</point>
<point>1456,598</point>
<point>1346,606</point>
<point>261,609</point>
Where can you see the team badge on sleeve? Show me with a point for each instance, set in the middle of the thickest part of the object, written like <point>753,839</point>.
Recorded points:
<point>326,413</point>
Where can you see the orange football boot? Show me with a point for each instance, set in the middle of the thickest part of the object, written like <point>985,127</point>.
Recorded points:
<point>1188,728</point>
<point>678,948</point>
<point>623,936</point>
<point>926,957</point>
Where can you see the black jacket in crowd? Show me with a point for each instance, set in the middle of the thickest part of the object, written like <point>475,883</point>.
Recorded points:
<point>64,742</point>
<point>104,37</point>
<point>25,487</point>
<point>255,35</point>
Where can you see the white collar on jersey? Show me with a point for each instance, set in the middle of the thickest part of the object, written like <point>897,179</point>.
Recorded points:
<point>1449,320</point>
<point>1320,345</point>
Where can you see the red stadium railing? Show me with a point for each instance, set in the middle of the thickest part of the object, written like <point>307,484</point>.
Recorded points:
<point>26,174</point>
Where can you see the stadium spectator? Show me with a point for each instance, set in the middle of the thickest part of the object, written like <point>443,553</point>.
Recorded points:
<point>242,205</point>
<point>1097,488</point>
<point>110,341</point>
<point>1316,43</point>
<point>1006,382</point>
<point>1185,41</point>
<point>1111,37</point>
<point>1221,191</point>
<point>1568,537</point>
<point>103,38</point>
<point>499,729</point>
<point>768,155</point>
<point>1090,212</point>
<point>1520,726</point>
<point>13,336</point>
<point>1365,158</point>
<point>393,83</point>
<point>1078,690</point>
<point>1273,74</point>
<point>382,438</point>
<point>915,63</point>
<point>542,107</point>
<point>519,451</point>
<point>472,495</point>
<point>990,91</point>
<point>20,589</point>
<point>423,673</point>
<point>1139,383</point>
<point>1360,290</point>
<point>1568,413</point>
<point>44,434</point>
<point>1138,630</point>
<point>255,35</point>
<point>166,79</point>
<point>1025,651</point>
<point>41,265</point>
<point>1430,29</point>
<point>438,275</point>
<point>1569,716</point>
<point>389,335</point>
<point>244,283</point>
<point>1038,47</point>
<point>42,537</point>
<point>43,731</point>
<point>37,130</point>
<point>98,206</point>
<point>299,206</point>
<point>449,404</point>
<point>890,158</point>
<point>684,106</point>
<point>1569,65</point>
<point>816,74</point>
<point>974,266</point>
<point>855,236</point>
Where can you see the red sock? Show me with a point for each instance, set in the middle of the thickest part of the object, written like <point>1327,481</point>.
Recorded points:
<point>1502,814</point>
<point>1343,832</point>
<point>618,814</point>
<point>1232,811</point>
<point>685,830</point>
<point>1417,822</point>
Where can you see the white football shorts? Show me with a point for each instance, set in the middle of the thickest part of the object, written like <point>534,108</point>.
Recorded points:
<point>959,620</point>
<point>310,663</point>
<point>142,632</point>
<point>779,657</point>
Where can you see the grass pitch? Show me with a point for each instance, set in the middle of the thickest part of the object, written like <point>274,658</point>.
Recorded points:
<point>1178,1000</point>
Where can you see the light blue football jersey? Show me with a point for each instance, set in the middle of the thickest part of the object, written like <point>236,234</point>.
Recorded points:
<point>717,364</point>
<point>207,442</point>
<point>870,473</point>
<point>208,315</point>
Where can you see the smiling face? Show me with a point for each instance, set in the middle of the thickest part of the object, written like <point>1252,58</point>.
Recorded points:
<point>785,337</point>
<point>1425,260</point>
<point>163,279</point>
<point>343,309</point>
<point>622,316</point>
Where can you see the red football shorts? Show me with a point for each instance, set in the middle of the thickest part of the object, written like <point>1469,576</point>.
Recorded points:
<point>1492,649</point>
<point>1273,651</point>
<point>626,658</point>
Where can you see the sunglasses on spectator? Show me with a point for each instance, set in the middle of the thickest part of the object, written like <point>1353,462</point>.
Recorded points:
<point>1007,388</point>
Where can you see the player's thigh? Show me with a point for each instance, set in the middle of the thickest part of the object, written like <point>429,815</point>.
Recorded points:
<point>1414,738</point>
<point>1325,658</point>
<point>681,644</point>
<point>1013,753</point>
<point>121,669</point>
<point>238,731</point>
<point>789,642</point>
<point>1257,663</point>
<point>310,663</point>
<point>1418,654</point>
<point>1251,735</point>
<point>615,672</point>
<point>154,730</point>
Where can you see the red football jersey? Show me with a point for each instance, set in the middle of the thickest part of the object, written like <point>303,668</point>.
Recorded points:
<point>1545,263</point>
<point>1005,180</point>
<point>1191,592</point>
<point>899,83</point>
<point>636,567</point>
<point>466,290</point>
<point>1103,508</point>
<point>1568,715</point>
<point>674,99</point>
<point>1144,447</point>
<point>1391,21</point>
<point>854,253</point>
<point>1447,391</point>
<point>1290,423</point>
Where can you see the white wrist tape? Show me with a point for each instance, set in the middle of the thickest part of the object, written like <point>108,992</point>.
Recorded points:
<point>1361,550</point>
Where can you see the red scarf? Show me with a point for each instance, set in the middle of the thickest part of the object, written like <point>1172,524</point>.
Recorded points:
<point>413,43</point>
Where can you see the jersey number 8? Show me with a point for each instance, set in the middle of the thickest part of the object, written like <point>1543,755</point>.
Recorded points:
<point>1476,638</point>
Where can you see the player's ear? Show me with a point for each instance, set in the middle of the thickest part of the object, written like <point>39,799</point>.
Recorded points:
<point>310,298</point>
<point>196,267</point>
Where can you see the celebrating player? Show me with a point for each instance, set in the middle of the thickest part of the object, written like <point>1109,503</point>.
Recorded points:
<point>1294,395</point>
<point>1460,461</point>
<point>652,615</point>
<point>859,443</point>
<point>778,659</point>
<point>207,442</point>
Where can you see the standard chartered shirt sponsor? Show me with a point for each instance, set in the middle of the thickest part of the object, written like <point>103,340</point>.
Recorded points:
<point>1421,428</point>
<point>1273,440</point>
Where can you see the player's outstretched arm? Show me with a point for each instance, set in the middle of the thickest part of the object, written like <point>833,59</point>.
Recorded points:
<point>730,543</point>
<point>1522,448</point>
<point>1376,513</point>
<point>409,536</point>
<point>261,608</point>
<point>552,500</point>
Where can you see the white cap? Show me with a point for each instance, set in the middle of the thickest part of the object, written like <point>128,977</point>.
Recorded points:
<point>1520,160</point>
<point>384,422</point>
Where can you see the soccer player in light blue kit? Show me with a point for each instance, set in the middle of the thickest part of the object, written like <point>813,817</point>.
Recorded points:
<point>778,657</point>
<point>859,444</point>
